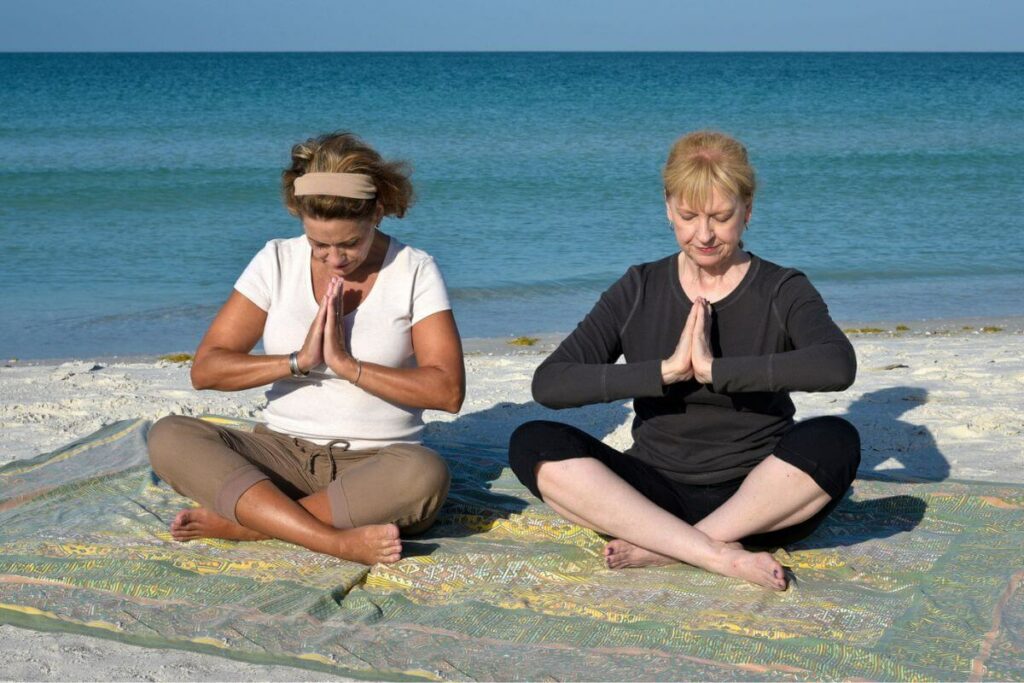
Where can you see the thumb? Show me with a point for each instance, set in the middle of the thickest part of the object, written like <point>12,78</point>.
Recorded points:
<point>691,320</point>
<point>698,318</point>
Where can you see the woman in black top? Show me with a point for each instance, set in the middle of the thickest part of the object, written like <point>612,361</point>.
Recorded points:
<point>714,339</point>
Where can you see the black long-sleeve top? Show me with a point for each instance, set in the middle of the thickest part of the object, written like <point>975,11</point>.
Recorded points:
<point>771,335</point>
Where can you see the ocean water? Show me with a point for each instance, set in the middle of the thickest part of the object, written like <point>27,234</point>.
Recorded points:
<point>135,187</point>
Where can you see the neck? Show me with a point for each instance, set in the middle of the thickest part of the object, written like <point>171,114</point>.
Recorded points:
<point>712,275</point>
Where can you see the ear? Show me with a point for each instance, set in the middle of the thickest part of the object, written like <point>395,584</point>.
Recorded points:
<point>669,211</point>
<point>750,211</point>
<point>378,215</point>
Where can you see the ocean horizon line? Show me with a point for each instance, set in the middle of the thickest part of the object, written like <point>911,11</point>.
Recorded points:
<point>512,52</point>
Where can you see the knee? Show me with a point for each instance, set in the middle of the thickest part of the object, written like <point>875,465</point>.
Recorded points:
<point>166,441</point>
<point>527,445</point>
<point>834,444</point>
<point>429,476</point>
<point>172,440</point>
<point>421,481</point>
<point>845,442</point>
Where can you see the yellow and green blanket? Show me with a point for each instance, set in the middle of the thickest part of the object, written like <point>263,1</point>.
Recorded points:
<point>905,581</point>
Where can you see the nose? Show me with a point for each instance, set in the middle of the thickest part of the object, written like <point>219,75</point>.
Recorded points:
<point>336,257</point>
<point>705,233</point>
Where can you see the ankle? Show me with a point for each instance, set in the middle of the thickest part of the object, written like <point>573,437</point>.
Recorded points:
<point>722,555</point>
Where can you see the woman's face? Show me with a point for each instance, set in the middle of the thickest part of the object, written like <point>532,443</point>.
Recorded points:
<point>340,244</point>
<point>709,235</point>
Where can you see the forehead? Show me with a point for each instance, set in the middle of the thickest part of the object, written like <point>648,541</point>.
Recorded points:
<point>712,200</point>
<point>335,230</point>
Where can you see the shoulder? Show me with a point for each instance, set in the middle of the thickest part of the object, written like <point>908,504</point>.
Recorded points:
<point>287,247</point>
<point>408,256</point>
<point>651,273</point>
<point>268,270</point>
<point>415,271</point>
<point>788,291</point>
<point>643,285</point>
<point>415,266</point>
<point>281,251</point>
<point>775,279</point>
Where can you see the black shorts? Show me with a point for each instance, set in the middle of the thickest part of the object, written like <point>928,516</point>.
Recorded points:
<point>826,448</point>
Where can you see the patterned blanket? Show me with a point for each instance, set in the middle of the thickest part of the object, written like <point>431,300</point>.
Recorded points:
<point>905,581</point>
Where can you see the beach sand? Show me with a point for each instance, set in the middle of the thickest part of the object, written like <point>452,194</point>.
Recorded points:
<point>930,404</point>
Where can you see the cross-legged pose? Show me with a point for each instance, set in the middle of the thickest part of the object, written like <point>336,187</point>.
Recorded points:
<point>714,339</point>
<point>359,338</point>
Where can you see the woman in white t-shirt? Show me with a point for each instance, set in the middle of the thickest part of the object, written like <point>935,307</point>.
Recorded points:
<point>359,339</point>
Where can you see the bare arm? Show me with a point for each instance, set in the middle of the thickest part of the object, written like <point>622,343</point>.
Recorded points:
<point>439,380</point>
<point>224,360</point>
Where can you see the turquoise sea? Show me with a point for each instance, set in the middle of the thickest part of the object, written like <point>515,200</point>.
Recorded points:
<point>135,187</point>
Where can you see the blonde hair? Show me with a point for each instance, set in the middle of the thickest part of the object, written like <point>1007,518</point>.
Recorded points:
<point>343,152</point>
<point>705,160</point>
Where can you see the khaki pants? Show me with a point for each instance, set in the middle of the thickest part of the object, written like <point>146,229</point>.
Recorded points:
<point>401,483</point>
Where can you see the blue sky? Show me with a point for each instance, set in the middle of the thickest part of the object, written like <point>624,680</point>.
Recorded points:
<point>415,25</point>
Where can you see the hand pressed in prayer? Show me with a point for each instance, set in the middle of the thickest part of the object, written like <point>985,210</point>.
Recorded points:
<point>700,350</point>
<point>336,354</point>
<point>312,352</point>
<point>679,367</point>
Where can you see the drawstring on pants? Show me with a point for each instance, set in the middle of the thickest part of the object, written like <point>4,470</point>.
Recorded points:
<point>326,450</point>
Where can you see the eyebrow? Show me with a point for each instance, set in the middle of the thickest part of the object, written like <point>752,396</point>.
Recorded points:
<point>713,212</point>
<point>334,244</point>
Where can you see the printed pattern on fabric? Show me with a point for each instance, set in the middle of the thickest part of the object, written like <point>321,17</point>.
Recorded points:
<point>904,581</point>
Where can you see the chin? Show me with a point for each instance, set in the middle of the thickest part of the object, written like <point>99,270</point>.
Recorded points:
<point>720,257</point>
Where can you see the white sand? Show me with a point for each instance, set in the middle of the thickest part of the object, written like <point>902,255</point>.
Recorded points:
<point>928,406</point>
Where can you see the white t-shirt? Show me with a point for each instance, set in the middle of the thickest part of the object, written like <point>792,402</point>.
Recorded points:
<point>322,406</point>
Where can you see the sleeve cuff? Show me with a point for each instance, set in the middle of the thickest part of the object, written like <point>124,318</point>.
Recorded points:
<point>633,380</point>
<point>742,373</point>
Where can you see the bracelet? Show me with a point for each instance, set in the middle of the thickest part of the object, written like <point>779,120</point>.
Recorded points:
<point>293,363</point>
<point>359,372</point>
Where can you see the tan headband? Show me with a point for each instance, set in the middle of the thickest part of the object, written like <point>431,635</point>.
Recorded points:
<point>351,185</point>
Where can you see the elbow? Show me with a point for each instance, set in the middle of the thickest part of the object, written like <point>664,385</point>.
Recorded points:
<point>454,400</point>
<point>199,380</point>
<point>844,380</point>
<point>199,375</point>
<point>844,372</point>
<point>543,391</point>
<point>452,396</point>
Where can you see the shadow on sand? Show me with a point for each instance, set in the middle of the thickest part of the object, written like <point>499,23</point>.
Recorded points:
<point>475,445</point>
<point>906,452</point>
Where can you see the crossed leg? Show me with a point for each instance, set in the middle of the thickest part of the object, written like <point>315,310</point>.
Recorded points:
<point>573,472</point>
<point>214,465</point>
<point>585,491</point>
<point>264,511</point>
<point>755,508</point>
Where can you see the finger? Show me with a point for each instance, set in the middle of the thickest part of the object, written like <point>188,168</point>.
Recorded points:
<point>340,298</point>
<point>321,314</point>
<point>690,321</point>
<point>698,319</point>
<point>334,295</point>
<point>331,319</point>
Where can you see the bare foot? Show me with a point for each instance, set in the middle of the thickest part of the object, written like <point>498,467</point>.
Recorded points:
<point>193,523</point>
<point>370,544</point>
<point>620,554</point>
<point>759,568</point>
